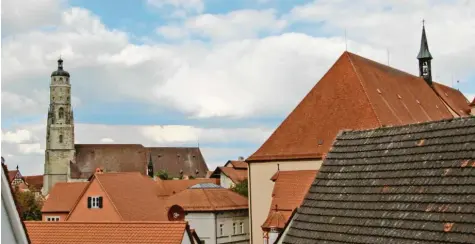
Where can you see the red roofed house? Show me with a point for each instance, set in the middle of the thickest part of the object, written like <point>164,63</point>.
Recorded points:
<point>219,215</point>
<point>233,172</point>
<point>355,93</point>
<point>125,232</point>
<point>106,197</point>
<point>290,188</point>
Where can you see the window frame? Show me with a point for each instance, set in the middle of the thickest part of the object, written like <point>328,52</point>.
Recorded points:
<point>241,226</point>
<point>53,218</point>
<point>221,227</point>
<point>234,228</point>
<point>95,202</point>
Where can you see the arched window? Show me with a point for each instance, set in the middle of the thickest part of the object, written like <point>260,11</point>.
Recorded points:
<point>60,138</point>
<point>61,113</point>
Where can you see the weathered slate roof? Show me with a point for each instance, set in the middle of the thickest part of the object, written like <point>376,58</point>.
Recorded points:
<point>355,93</point>
<point>134,158</point>
<point>405,184</point>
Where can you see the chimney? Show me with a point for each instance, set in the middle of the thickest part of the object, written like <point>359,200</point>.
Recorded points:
<point>241,158</point>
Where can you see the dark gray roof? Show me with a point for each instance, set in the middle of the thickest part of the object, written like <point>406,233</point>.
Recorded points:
<point>406,184</point>
<point>205,186</point>
<point>424,50</point>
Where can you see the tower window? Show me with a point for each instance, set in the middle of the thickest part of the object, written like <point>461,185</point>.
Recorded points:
<point>60,138</point>
<point>61,113</point>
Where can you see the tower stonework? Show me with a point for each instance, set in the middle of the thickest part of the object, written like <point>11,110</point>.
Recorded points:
<point>60,130</point>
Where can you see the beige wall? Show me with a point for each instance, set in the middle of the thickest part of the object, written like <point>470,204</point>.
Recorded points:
<point>260,190</point>
<point>473,111</point>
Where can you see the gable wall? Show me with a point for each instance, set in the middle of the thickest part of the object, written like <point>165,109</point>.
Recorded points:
<point>106,213</point>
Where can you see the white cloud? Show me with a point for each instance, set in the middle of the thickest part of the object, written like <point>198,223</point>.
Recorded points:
<point>34,148</point>
<point>107,140</point>
<point>17,136</point>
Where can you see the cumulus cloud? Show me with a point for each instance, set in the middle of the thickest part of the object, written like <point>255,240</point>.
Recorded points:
<point>181,8</point>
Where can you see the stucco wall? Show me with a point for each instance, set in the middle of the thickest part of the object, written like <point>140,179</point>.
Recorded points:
<point>227,219</point>
<point>203,224</point>
<point>225,181</point>
<point>106,213</point>
<point>62,216</point>
<point>260,190</point>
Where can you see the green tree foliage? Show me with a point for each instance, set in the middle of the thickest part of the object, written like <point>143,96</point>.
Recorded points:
<point>29,205</point>
<point>241,188</point>
<point>163,174</point>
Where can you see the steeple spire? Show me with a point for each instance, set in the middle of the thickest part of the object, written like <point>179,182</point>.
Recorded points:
<point>150,167</point>
<point>424,56</point>
<point>424,51</point>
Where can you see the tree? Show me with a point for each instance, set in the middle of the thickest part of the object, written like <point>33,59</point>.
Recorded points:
<point>163,174</point>
<point>29,205</point>
<point>241,188</point>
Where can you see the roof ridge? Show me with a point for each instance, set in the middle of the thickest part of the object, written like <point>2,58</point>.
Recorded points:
<point>406,125</point>
<point>362,85</point>
<point>108,222</point>
<point>107,194</point>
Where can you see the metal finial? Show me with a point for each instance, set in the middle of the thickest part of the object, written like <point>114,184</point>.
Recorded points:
<point>423,22</point>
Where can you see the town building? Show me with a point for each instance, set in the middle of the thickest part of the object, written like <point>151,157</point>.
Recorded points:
<point>219,215</point>
<point>355,93</point>
<point>403,184</point>
<point>66,161</point>
<point>290,188</point>
<point>125,232</point>
<point>13,229</point>
<point>61,200</point>
<point>232,173</point>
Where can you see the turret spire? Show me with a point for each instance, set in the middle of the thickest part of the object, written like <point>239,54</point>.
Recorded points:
<point>424,56</point>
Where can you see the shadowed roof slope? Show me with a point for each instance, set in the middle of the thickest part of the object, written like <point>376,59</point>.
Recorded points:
<point>453,98</point>
<point>356,93</point>
<point>35,181</point>
<point>236,175</point>
<point>208,199</point>
<point>63,196</point>
<point>135,158</point>
<point>106,232</point>
<point>405,184</point>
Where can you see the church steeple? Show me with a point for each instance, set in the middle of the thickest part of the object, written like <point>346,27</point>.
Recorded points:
<point>424,57</point>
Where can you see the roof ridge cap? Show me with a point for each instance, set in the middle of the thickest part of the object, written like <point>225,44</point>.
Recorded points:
<point>362,85</point>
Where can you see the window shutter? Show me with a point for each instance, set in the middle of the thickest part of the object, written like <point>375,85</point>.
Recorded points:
<point>100,202</point>
<point>89,202</point>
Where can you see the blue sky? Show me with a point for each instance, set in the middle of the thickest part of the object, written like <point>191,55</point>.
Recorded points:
<point>224,73</point>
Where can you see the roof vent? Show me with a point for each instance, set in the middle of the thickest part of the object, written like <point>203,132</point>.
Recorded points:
<point>379,91</point>
<point>241,158</point>
<point>418,101</point>
<point>446,94</point>
<point>320,142</point>
<point>399,96</point>
<point>436,106</point>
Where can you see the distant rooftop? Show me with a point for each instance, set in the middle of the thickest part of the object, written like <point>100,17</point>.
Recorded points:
<point>204,186</point>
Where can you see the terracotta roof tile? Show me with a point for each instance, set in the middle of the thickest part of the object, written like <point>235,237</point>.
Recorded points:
<point>453,98</point>
<point>356,93</point>
<point>473,102</point>
<point>289,191</point>
<point>63,196</point>
<point>133,189</point>
<point>135,158</point>
<point>237,164</point>
<point>236,175</point>
<point>35,181</point>
<point>105,232</point>
<point>12,174</point>
<point>170,187</point>
<point>208,199</point>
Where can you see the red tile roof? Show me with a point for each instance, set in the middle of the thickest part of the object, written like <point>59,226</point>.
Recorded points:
<point>63,196</point>
<point>34,181</point>
<point>106,232</point>
<point>289,191</point>
<point>356,93</point>
<point>236,175</point>
<point>208,199</point>
<point>453,98</point>
<point>12,174</point>
<point>236,164</point>
<point>473,102</point>
<point>133,195</point>
<point>170,187</point>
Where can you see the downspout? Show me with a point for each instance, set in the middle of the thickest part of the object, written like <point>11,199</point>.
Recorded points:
<point>250,200</point>
<point>216,227</point>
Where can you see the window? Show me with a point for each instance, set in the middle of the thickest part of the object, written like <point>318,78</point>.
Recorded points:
<point>61,113</point>
<point>234,229</point>
<point>203,242</point>
<point>241,225</point>
<point>60,138</point>
<point>94,202</point>
<point>220,229</point>
<point>52,218</point>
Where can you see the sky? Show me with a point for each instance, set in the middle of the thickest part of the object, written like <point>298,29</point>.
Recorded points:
<point>218,74</point>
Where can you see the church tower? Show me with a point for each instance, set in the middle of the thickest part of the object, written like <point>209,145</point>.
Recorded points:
<point>424,57</point>
<point>59,131</point>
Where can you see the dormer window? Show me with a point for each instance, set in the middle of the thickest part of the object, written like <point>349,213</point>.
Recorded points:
<point>94,202</point>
